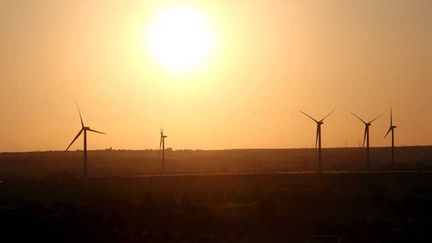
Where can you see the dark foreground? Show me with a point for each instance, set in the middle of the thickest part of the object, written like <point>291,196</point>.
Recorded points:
<point>392,207</point>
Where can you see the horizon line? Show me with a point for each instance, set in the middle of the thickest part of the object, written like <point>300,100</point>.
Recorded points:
<point>219,149</point>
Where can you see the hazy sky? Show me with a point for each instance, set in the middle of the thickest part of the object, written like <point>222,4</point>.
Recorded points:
<point>271,59</point>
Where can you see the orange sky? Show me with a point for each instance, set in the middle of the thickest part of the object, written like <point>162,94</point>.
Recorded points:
<point>271,59</point>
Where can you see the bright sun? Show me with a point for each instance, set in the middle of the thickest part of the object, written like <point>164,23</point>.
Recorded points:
<point>180,38</point>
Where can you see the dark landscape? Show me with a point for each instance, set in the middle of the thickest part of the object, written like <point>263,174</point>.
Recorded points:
<point>148,162</point>
<point>225,208</point>
<point>48,200</point>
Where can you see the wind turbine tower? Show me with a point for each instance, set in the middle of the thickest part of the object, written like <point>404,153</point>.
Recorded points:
<point>366,137</point>
<point>162,148</point>
<point>84,130</point>
<point>318,136</point>
<point>391,129</point>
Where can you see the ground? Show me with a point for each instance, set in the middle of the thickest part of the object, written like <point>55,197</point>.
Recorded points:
<point>332,207</point>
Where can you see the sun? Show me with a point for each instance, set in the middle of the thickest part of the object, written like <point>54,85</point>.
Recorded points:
<point>180,38</point>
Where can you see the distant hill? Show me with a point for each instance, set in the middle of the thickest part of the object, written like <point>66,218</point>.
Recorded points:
<point>133,162</point>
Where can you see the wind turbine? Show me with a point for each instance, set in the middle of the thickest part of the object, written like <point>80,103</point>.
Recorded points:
<point>318,135</point>
<point>366,136</point>
<point>391,129</point>
<point>84,130</point>
<point>162,147</point>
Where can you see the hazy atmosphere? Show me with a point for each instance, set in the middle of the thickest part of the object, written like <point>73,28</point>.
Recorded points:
<point>268,60</point>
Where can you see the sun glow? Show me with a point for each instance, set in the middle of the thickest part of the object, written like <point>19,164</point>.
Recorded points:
<point>180,38</point>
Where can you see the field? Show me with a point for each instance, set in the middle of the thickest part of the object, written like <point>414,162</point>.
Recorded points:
<point>392,207</point>
<point>225,196</point>
<point>147,162</point>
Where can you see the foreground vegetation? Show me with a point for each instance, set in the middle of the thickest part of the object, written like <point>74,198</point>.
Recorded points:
<point>221,208</point>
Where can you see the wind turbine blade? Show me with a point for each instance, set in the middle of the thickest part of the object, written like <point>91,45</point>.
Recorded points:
<point>375,118</point>
<point>91,130</point>
<point>79,111</point>
<point>391,117</point>
<point>364,136</point>
<point>309,116</point>
<point>358,118</point>
<point>79,133</point>
<point>388,132</point>
<point>316,137</point>
<point>327,115</point>
<point>160,144</point>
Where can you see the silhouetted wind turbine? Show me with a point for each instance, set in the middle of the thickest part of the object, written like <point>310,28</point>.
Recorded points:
<point>162,148</point>
<point>391,129</point>
<point>83,129</point>
<point>366,136</point>
<point>318,135</point>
